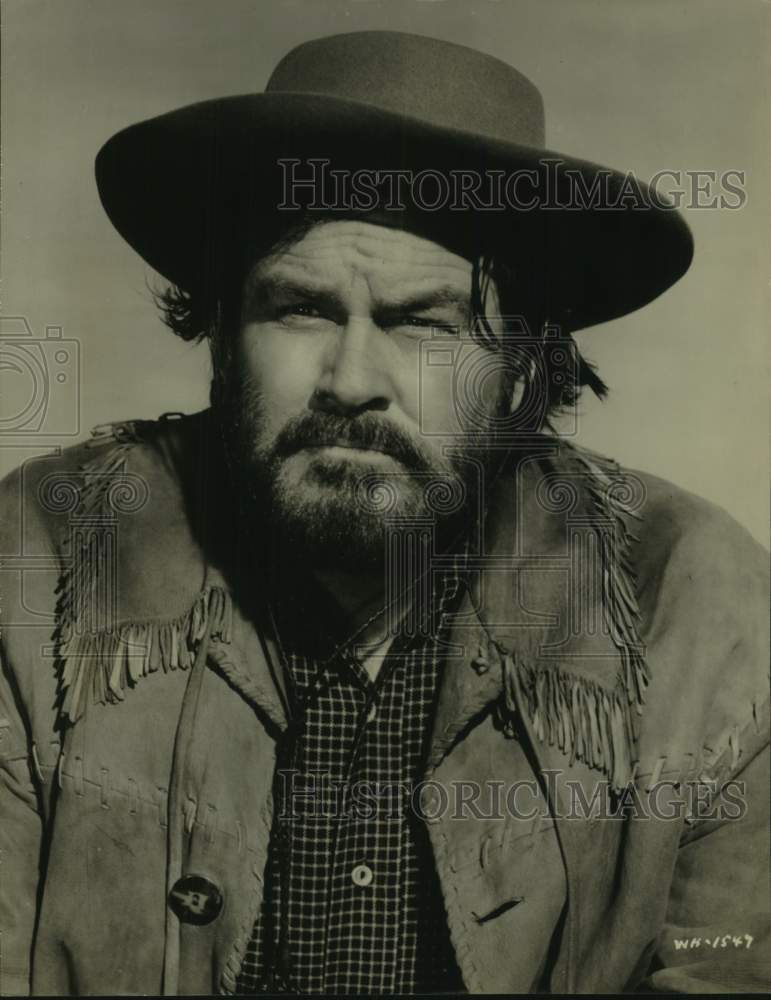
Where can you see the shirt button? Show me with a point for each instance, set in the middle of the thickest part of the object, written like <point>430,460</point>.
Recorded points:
<point>362,875</point>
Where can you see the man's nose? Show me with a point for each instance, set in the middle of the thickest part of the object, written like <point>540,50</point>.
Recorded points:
<point>356,371</point>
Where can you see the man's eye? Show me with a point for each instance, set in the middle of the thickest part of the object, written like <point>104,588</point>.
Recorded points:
<point>299,311</point>
<point>429,323</point>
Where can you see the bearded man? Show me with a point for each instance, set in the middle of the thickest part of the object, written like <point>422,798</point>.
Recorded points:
<point>365,680</point>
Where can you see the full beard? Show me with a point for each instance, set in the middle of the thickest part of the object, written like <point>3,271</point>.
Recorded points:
<point>334,512</point>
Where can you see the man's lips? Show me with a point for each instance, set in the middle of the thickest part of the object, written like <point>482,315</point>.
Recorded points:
<point>346,451</point>
<point>347,445</point>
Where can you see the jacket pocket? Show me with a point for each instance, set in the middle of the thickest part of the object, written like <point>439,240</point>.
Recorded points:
<point>498,910</point>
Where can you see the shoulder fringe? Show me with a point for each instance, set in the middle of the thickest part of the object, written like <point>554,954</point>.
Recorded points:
<point>619,599</point>
<point>586,720</point>
<point>101,663</point>
<point>78,584</point>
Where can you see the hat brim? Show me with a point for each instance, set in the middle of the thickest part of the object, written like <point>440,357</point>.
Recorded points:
<point>182,186</point>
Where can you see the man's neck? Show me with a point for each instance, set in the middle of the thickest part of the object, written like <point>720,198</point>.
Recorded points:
<point>360,598</point>
<point>361,601</point>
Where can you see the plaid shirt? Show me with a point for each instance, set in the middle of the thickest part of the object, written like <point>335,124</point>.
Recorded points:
<point>365,912</point>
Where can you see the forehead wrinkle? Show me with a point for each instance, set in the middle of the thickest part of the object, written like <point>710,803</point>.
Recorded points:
<point>367,264</point>
<point>373,242</point>
<point>372,236</point>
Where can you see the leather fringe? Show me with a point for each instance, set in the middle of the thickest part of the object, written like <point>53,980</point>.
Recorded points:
<point>619,600</point>
<point>101,666</point>
<point>587,721</point>
<point>96,659</point>
<point>79,582</point>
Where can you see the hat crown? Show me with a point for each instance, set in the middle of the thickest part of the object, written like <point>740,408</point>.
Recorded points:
<point>441,83</point>
<point>185,187</point>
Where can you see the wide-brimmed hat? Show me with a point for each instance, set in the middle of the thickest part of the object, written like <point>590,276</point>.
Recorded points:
<point>183,188</point>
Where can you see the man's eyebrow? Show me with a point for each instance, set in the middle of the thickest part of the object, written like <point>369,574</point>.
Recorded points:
<point>446,295</point>
<point>264,285</point>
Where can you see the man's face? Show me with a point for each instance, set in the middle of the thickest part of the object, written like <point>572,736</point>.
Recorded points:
<point>336,409</point>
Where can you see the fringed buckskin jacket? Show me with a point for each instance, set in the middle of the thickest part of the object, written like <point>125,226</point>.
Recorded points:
<point>612,650</point>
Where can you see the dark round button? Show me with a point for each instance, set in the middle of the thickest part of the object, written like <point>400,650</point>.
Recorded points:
<point>195,900</point>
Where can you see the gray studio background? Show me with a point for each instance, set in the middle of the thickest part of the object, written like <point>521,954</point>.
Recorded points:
<point>638,84</point>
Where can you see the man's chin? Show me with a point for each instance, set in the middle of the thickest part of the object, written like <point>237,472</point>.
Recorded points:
<point>324,524</point>
<point>335,509</point>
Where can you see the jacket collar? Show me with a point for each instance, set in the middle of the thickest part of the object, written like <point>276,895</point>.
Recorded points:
<point>552,640</point>
<point>541,635</point>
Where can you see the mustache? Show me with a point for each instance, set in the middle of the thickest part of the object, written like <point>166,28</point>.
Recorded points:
<point>366,431</point>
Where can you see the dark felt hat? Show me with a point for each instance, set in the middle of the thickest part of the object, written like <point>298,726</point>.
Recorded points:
<point>185,187</point>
